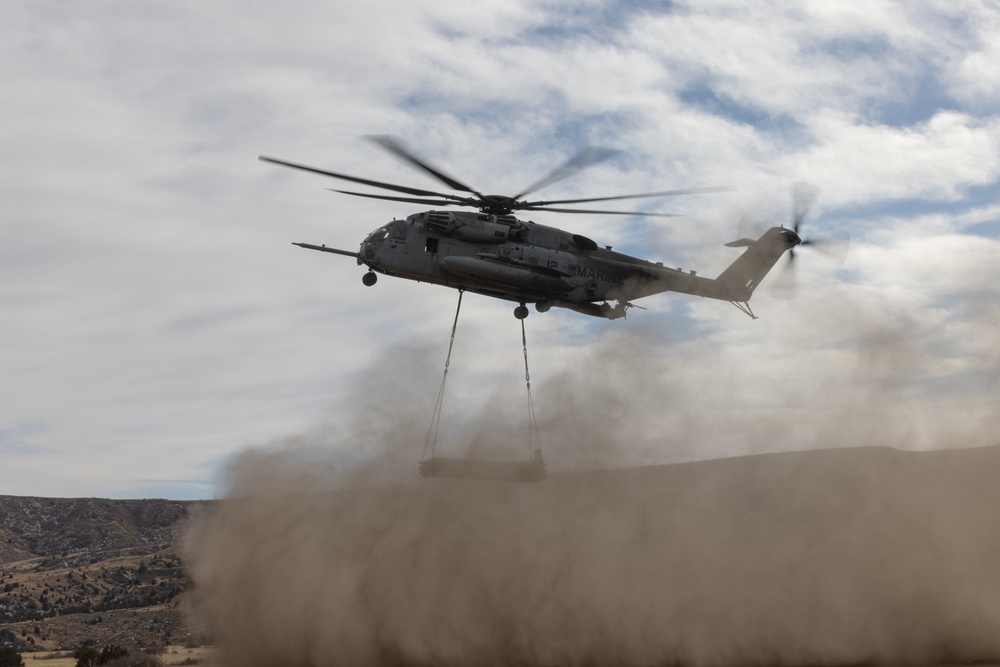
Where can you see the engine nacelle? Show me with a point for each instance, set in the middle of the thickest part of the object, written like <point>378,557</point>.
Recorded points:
<point>471,227</point>
<point>495,272</point>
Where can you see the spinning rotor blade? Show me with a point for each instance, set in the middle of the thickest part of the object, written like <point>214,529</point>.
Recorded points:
<point>665,193</point>
<point>412,200</point>
<point>786,283</point>
<point>392,145</point>
<point>583,159</point>
<point>803,196</point>
<point>355,179</point>
<point>835,247</point>
<point>592,212</point>
<point>493,204</point>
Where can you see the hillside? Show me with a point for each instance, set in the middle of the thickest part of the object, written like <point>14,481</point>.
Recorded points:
<point>31,527</point>
<point>88,568</point>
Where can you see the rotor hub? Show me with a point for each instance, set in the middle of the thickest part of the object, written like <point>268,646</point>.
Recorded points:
<point>497,204</point>
<point>790,237</point>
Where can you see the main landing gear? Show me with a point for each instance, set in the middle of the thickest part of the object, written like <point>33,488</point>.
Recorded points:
<point>542,306</point>
<point>369,278</point>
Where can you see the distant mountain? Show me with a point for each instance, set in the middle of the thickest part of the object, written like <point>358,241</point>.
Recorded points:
<point>73,569</point>
<point>32,527</point>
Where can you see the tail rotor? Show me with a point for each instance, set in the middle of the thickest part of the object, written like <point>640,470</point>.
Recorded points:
<point>834,247</point>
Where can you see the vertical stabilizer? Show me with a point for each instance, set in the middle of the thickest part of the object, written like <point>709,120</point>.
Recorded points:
<point>760,257</point>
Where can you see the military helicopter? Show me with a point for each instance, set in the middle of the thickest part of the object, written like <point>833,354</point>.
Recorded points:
<point>492,252</point>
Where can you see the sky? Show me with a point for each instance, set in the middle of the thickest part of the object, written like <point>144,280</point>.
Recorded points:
<point>157,321</point>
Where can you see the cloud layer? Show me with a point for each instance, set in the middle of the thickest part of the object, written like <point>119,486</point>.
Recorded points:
<point>156,319</point>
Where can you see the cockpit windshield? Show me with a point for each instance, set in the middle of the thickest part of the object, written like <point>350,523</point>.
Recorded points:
<point>376,237</point>
<point>397,229</point>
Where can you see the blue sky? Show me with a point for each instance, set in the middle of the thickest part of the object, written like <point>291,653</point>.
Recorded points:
<point>157,321</point>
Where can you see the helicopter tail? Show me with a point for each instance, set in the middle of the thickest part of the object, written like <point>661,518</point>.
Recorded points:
<point>745,274</point>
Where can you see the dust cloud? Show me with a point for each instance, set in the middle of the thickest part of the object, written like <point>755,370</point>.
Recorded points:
<point>843,556</point>
<point>828,557</point>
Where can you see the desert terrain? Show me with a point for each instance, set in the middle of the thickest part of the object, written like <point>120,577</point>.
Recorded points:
<point>105,571</point>
<point>834,557</point>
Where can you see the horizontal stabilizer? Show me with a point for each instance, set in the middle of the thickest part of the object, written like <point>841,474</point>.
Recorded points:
<point>741,243</point>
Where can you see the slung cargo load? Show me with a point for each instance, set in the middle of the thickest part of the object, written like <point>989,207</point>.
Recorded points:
<point>496,471</point>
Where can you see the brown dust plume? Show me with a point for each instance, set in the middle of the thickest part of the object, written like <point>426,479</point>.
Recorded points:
<point>329,550</point>
<point>825,557</point>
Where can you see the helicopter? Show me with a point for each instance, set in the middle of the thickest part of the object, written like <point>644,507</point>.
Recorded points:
<point>492,252</point>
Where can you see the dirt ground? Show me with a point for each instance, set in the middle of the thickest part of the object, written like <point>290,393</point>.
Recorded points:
<point>172,656</point>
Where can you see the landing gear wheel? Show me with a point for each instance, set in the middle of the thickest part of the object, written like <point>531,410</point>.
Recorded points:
<point>521,312</point>
<point>543,306</point>
<point>369,278</point>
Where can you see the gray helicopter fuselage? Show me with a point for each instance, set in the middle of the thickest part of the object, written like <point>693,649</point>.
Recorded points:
<point>508,258</point>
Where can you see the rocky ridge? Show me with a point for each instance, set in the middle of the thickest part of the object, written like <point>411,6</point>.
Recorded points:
<point>78,569</point>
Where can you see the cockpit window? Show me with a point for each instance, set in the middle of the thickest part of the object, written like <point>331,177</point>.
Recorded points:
<point>375,238</point>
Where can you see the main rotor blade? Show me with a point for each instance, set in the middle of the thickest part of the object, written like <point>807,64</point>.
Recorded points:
<point>392,145</point>
<point>593,212</point>
<point>354,179</point>
<point>583,159</point>
<point>413,200</point>
<point>664,193</point>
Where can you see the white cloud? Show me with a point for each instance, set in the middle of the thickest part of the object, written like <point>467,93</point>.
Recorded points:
<point>157,319</point>
<point>938,159</point>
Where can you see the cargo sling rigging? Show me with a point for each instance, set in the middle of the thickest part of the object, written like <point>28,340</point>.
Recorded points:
<point>509,471</point>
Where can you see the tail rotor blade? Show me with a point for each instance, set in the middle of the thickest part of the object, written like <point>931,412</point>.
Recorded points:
<point>786,283</point>
<point>833,247</point>
<point>803,196</point>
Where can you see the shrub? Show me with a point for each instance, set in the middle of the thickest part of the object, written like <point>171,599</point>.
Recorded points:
<point>9,657</point>
<point>137,660</point>
<point>88,656</point>
<point>110,653</point>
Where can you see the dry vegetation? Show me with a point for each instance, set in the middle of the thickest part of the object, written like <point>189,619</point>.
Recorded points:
<point>76,570</point>
<point>171,656</point>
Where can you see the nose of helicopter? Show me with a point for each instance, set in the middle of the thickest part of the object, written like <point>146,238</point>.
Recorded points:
<point>370,246</point>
